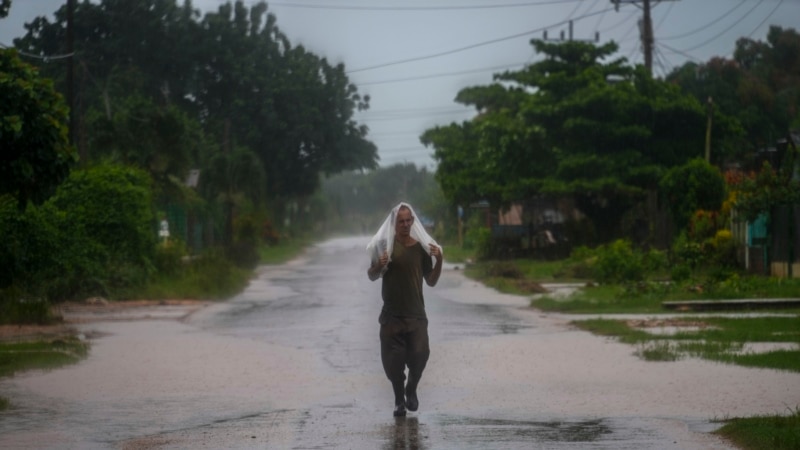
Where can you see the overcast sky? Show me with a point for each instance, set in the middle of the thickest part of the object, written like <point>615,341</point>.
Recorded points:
<point>413,56</point>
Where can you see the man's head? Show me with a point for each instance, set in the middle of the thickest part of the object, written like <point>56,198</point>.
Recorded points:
<point>403,221</point>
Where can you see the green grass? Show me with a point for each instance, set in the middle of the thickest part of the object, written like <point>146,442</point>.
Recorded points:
<point>284,251</point>
<point>773,432</point>
<point>16,357</point>
<point>210,277</point>
<point>717,339</point>
<point>458,255</point>
<point>41,355</point>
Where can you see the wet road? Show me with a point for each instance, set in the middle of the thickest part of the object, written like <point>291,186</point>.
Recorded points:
<point>294,362</point>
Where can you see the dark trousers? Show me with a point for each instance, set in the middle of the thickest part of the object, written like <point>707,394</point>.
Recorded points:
<point>404,343</point>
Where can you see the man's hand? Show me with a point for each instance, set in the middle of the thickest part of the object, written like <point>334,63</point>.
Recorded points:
<point>436,252</point>
<point>433,277</point>
<point>384,260</point>
<point>374,271</point>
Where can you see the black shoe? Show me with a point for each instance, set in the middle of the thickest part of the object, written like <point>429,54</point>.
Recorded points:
<point>412,402</point>
<point>400,410</point>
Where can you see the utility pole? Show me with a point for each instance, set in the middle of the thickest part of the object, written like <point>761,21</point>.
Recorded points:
<point>647,37</point>
<point>570,35</point>
<point>710,114</point>
<point>645,29</point>
<point>71,71</point>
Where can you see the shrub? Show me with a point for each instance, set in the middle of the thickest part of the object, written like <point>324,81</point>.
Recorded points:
<point>503,269</point>
<point>479,238</point>
<point>17,307</point>
<point>617,262</point>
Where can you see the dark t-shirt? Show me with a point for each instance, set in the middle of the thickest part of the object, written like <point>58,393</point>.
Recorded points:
<point>402,282</point>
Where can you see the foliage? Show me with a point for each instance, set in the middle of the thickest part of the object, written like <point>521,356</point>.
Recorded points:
<point>754,92</point>
<point>21,356</point>
<point>692,186</point>
<point>775,432</point>
<point>76,244</point>
<point>478,237</point>
<point>602,132</point>
<point>209,276</point>
<point>615,262</point>
<point>18,308</point>
<point>36,155</point>
<point>715,338</point>
<point>158,139</point>
<point>766,190</point>
<point>230,78</point>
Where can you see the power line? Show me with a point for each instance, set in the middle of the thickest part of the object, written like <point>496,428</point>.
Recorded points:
<point>43,58</point>
<point>470,47</point>
<point>682,53</point>
<point>444,74</point>
<point>766,18</point>
<point>419,8</point>
<point>704,27</point>
<point>702,44</point>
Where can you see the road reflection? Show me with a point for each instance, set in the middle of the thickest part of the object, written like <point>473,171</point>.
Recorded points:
<point>404,435</point>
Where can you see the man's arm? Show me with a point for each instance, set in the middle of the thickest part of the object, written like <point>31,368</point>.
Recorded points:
<point>433,277</point>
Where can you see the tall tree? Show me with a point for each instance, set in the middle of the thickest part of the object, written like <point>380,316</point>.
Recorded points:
<point>232,70</point>
<point>574,123</point>
<point>756,92</point>
<point>36,155</point>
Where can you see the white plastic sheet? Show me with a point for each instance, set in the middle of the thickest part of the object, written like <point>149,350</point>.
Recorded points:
<point>383,241</point>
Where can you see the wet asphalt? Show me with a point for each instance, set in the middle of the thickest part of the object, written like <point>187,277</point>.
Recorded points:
<point>293,362</point>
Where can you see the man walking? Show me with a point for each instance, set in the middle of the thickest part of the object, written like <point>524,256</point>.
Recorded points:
<point>401,254</point>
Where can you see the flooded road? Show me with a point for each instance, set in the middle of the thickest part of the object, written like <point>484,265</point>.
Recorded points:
<point>294,362</point>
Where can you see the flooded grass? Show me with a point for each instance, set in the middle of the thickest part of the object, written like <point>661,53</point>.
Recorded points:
<point>41,355</point>
<point>718,339</point>
<point>773,432</point>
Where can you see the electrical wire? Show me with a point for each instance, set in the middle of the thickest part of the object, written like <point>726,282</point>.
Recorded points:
<point>469,47</point>
<point>682,53</point>
<point>704,27</point>
<point>702,44</point>
<point>444,74</point>
<point>766,18</point>
<point>411,8</point>
<point>43,58</point>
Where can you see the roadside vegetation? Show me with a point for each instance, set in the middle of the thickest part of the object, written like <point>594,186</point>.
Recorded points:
<point>16,357</point>
<point>775,432</point>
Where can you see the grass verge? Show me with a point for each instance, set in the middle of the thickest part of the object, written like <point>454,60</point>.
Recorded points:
<point>284,251</point>
<point>16,357</point>
<point>719,339</point>
<point>773,432</point>
<point>40,355</point>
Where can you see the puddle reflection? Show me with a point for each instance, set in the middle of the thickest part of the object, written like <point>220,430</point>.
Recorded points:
<point>404,435</point>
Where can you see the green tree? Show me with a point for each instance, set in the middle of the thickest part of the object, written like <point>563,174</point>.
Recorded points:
<point>233,71</point>
<point>36,155</point>
<point>692,186</point>
<point>573,124</point>
<point>755,93</point>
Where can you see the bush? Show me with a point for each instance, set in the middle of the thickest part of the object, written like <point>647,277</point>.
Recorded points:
<point>95,236</point>
<point>17,308</point>
<point>616,262</point>
<point>503,269</point>
<point>168,257</point>
<point>479,238</point>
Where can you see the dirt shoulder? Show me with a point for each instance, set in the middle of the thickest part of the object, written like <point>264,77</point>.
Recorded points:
<point>100,310</point>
